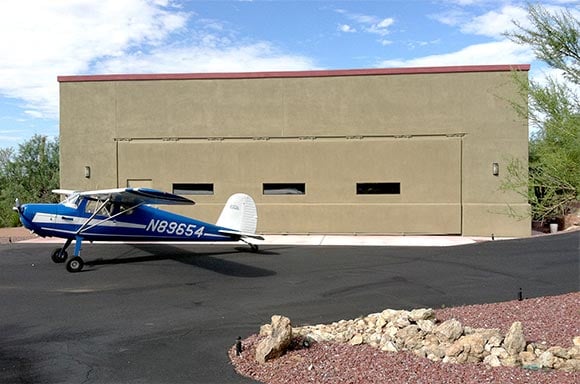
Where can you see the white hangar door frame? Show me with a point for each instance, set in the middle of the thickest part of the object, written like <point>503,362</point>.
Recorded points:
<point>337,175</point>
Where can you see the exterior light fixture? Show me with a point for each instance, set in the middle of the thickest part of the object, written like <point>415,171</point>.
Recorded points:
<point>495,169</point>
<point>87,172</point>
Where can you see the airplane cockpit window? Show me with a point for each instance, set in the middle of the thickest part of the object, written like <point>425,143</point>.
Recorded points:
<point>93,205</point>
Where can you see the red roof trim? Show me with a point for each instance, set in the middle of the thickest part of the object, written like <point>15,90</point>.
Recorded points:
<point>291,74</point>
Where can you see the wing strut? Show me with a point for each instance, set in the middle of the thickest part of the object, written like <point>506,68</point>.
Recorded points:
<point>106,219</point>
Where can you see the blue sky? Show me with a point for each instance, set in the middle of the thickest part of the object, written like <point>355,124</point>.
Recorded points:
<point>74,37</point>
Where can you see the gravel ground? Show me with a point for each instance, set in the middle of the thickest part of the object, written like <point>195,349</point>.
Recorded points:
<point>554,320</point>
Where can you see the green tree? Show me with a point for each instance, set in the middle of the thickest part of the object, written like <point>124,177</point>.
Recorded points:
<point>552,182</point>
<point>29,174</point>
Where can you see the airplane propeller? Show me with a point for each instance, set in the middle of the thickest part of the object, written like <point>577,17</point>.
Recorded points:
<point>16,206</point>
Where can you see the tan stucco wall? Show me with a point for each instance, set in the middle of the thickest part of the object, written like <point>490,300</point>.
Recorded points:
<point>435,133</point>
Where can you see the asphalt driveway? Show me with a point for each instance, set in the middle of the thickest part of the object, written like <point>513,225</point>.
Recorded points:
<point>168,314</point>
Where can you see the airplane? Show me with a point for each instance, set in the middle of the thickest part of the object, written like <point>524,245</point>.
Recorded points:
<point>127,214</point>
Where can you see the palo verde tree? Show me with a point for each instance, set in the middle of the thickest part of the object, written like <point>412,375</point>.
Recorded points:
<point>29,174</point>
<point>552,182</point>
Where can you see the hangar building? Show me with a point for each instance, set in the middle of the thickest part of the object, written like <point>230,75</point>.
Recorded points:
<point>372,151</point>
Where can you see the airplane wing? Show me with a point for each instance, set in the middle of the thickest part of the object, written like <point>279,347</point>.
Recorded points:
<point>134,196</point>
<point>66,192</point>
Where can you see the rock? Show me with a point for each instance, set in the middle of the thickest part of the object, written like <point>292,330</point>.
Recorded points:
<point>421,314</point>
<point>527,358</point>
<point>492,361</point>
<point>410,337</point>
<point>546,359</point>
<point>499,352</point>
<point>474,345</point>
<point>389,346</point>
<point>454,349</point>
<point>381,322</point>
<point>390,332</point>
<point>389,314</point>
<point>375,340</point>
<point>571,365</point>
<point>356,340</point>
<point>449,331</point>
<point>574,352</point>
<point>277,342</point>
<point>514,341</point>
<point>559,352</point>
<point>319,336</point>
<point>433,348</point>
<point>402,321</point>
<point>426,325</point>
<point>510,361</point>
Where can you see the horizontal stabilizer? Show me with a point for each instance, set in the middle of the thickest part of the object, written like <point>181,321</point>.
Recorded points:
<point>241,234</point>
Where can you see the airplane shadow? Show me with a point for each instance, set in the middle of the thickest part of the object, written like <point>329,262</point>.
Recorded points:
<point>206,260</point>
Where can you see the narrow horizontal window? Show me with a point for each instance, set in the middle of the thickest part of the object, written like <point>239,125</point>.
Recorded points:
<point>378,188</point>
<point>284,189</point>
<point>193,189</point>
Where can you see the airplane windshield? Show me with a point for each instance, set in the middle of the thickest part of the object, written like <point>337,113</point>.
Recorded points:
<point>71,200</point>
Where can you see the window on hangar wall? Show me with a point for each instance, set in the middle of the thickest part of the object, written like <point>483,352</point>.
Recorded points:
<point>193,188</point>
<point>378,188</point>
<point>284,188</point>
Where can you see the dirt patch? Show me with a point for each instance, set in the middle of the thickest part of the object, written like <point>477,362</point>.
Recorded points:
<point>13,235</point>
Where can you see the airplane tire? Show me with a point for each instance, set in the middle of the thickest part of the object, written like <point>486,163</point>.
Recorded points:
<point>75,264</point>
<point>57,257</point>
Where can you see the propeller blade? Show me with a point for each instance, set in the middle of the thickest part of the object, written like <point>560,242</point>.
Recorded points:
<point>16,206</point>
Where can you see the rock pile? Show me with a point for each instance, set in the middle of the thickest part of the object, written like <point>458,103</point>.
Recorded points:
<point>419,332</point>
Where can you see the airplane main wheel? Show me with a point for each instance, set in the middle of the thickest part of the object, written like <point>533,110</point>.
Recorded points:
<point>59,256</point>
<point>254,248</point>
<point>75,264</point>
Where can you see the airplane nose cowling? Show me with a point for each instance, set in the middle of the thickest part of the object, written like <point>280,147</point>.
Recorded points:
<point>24,213</point>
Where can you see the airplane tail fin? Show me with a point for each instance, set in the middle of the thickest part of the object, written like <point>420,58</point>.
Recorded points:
<point>239,214</point>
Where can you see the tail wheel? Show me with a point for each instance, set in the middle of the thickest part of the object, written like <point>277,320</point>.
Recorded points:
<point>59,256</point>
<point>75,264</point>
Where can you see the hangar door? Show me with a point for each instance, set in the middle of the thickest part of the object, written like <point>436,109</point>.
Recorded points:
<point>321,185</point>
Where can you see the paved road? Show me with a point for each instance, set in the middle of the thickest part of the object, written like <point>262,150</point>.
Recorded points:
<point>168,314</point>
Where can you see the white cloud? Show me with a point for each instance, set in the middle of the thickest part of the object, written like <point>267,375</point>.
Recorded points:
<point>346,28</point>
<point>254,57</point>
<point>49,38</point>
<point>382,27</point>
<point>498,52</point>
<point>495,23</point>
<point>368,23</point>
<point>68,37</point>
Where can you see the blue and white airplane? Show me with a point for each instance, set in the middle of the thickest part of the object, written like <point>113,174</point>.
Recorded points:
<point>126,214</point>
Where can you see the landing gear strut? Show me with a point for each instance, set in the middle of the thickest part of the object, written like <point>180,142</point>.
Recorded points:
<point>60,255</point>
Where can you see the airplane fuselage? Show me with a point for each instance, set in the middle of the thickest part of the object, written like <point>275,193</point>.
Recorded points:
<point>144,223</point>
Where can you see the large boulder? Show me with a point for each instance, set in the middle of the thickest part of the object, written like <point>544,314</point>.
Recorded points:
<point>278,340</point>
<point>514,341</point>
